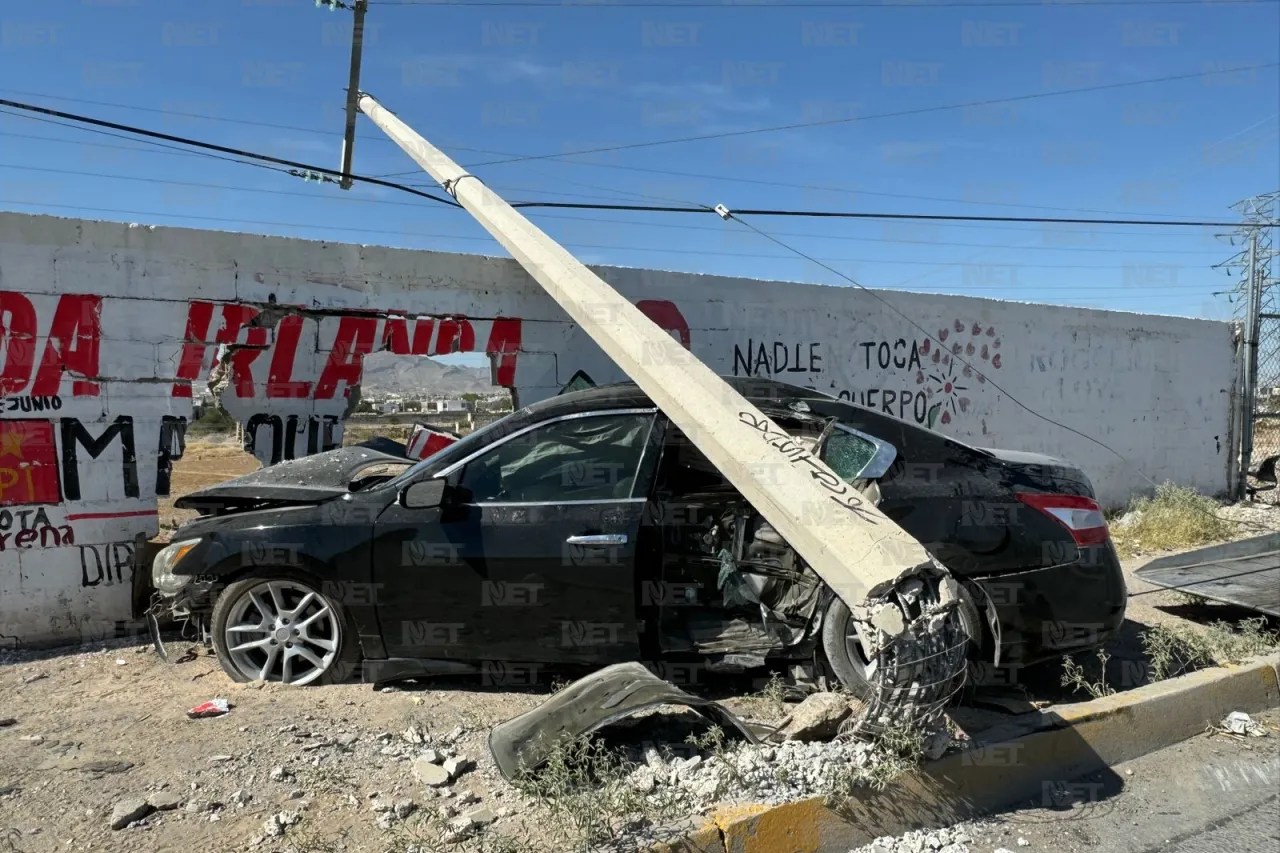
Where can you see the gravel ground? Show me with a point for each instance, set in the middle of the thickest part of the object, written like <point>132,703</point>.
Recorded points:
<point>286,769</point>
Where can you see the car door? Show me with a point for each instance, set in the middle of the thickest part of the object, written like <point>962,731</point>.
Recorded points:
<point>532,555</point>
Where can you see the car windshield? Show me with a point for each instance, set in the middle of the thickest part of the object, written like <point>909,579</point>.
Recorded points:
<point>462,447</point>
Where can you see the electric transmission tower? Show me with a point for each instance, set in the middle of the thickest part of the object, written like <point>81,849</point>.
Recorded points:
<point>1255,249</point>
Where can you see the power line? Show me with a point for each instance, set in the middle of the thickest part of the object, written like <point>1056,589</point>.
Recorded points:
<point>517,156</point>
<point>701,209</point>
<point>737,5</point>
<point>698,252</point>
<point>926,217</point>
<point>893,114</point>
<point>598,220</point>
<point>224,149</point>
<point>183,153</point>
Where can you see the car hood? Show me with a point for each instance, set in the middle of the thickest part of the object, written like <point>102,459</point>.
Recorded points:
<point>312,479</point>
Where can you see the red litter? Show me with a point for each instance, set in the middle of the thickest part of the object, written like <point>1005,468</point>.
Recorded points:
<point>212,708</point>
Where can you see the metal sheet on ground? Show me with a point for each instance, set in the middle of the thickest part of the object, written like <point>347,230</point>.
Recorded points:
<point>1245,573</point>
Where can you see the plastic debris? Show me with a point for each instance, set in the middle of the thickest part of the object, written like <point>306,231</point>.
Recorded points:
<point>212,708</point>
<point>1240,723</point>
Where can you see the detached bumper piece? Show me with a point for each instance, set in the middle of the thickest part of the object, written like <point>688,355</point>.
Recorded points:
<point>525,742</point>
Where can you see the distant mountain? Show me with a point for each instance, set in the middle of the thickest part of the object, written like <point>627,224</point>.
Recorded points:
<point>385,373</point>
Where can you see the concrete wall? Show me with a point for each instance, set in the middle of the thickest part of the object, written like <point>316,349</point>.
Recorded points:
<point>105,328</point>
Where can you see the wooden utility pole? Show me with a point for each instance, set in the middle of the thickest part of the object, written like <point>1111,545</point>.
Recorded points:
<point>852,546</point>
<point>353,92</point>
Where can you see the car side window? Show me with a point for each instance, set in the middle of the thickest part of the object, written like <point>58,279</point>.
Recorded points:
<point>853,456</point>
<point>578,459</point>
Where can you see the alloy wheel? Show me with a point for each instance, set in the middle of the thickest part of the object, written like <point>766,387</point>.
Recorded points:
<point>856,654</point>
<point>282,630</point>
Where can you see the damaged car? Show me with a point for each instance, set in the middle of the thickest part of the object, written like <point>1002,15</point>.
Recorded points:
<point>587,530</point>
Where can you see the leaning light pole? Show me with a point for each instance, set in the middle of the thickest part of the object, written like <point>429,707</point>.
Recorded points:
<point>879,570</point>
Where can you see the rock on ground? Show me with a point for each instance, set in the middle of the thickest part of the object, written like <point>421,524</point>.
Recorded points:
<point>431,774</point>
<point>817,718</point>
<point>127,811</point>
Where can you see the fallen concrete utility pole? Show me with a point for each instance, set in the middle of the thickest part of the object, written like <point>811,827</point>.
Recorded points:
<point>855,548</point>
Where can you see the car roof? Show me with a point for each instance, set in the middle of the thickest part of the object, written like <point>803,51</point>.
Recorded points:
<point>628,395</point>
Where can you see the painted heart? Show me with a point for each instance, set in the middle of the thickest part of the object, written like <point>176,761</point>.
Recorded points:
<point>986,354</point>
<point>991,331</point>
<point>969,349</point>
<point>942,334</point>
<point>977,329</point>
<point>959,326</point>
<point>946,417</point>
<point>995,362</point>
<point>919,377</point>
<point>924,346</point>
<point>964,404</point>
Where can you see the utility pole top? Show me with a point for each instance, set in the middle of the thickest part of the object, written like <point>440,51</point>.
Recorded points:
<point>353,92</point>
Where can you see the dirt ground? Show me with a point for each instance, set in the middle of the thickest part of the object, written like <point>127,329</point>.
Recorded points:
<point>95,727</point>
<point>205,463</point>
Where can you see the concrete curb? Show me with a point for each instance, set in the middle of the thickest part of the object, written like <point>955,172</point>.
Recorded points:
<point>1025,760</point>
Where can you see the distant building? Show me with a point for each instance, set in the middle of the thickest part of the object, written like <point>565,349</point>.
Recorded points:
<point>451,405</point>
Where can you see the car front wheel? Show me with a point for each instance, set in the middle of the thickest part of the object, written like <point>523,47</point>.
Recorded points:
<point>278,627</point>
<point>844,652</point>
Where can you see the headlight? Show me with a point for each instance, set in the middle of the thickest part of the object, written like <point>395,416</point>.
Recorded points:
<point>162,576</point>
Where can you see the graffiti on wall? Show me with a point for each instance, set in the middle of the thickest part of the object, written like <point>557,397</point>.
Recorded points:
<point>929,380</point>
<point>71,344</point>
<point>106,564</point>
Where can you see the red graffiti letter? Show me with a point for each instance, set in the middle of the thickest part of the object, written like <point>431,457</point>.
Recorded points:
<point>18,339</point>
<point>395,336</point>
<point>667,316</point>
<point>346,361</point>
<point>199,315</point>
<point>456,335</point>
<point>242,358</point>
<point>72,345</point>
<point>288,333</point>
<point>504,340</point>
<point>422,329</point>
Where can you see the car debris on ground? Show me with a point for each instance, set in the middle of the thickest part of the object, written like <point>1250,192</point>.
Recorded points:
<point>1240,723</point>
<point>212,708</point>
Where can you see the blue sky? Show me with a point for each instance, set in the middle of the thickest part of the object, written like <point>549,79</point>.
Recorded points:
<point>537,80</point>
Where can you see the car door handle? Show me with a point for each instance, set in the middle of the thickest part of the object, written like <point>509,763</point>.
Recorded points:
<point>598,539</point>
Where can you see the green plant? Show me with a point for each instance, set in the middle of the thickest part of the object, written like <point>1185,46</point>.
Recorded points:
<point>775,692</point>
<point>585,791</point>
<point>1174,517</point>
<point>725,753</point>
<point>1175,649</point>
<point>1073,676</point>
<point>214,420</point>
<point>896,750</point>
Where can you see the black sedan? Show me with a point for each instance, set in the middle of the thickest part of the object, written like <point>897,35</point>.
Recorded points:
<point>586,530</point>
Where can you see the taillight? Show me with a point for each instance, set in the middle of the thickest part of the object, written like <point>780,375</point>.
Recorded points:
<point>1080,515</point>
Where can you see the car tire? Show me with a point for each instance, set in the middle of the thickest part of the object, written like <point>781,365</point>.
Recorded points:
<point>843,651</point>
<point>312,622</point>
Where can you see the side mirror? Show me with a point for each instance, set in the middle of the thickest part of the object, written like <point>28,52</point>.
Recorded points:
<point>424,494</point>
